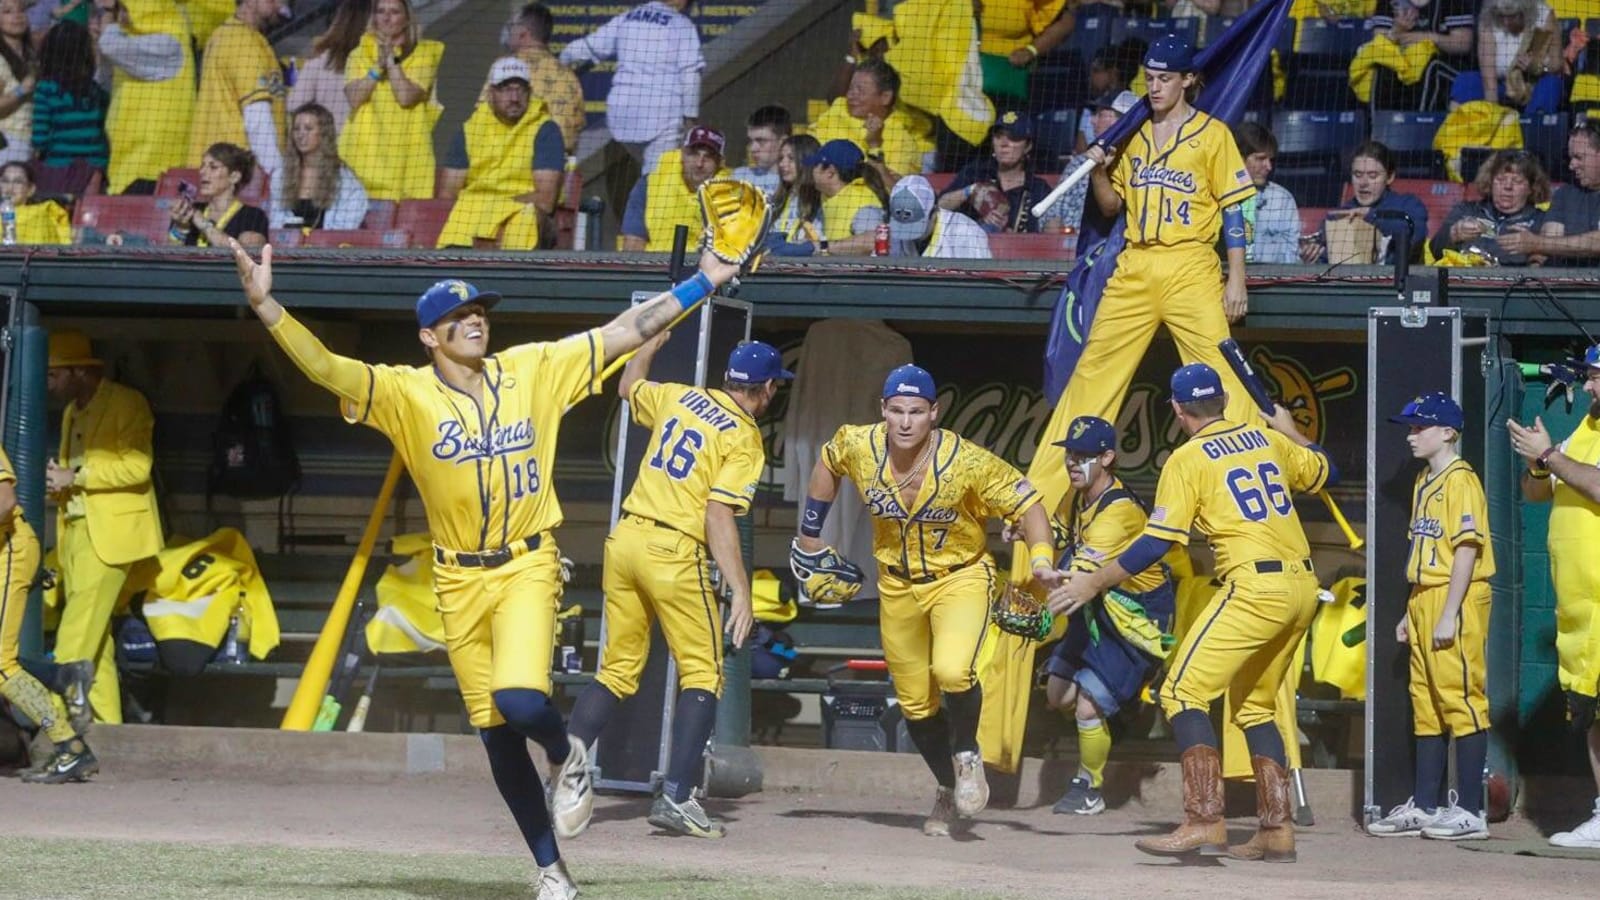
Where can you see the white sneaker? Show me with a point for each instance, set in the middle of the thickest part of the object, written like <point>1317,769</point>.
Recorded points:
<point>972,785</point>
<point>1456,824</point>
<point>555,883</point>
<point>1405,820</point>
<point>572,794</point>
<point>1586,835</point>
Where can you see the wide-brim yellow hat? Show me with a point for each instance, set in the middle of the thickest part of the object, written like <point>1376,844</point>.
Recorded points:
<point>71,348</point>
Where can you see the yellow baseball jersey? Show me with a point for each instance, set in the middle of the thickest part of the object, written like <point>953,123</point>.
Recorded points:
<point>1175,195</point>
<point>1447,510</point>
<point>1233,482</point>
<point>963,486</point>
<point>1103,529</point>
<point>481,464</point>
<point>240,70</point>
<point>703,446</point>
<point>8,474</point>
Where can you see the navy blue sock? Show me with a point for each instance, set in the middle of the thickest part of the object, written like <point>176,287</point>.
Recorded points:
<point>591,713</point>
<point>1432,752</point>
<point>1191,728</point>
<point>1472,753</point>
<point>932,739</point>
<point>693,720</point>
<point>519,786</point>
<point>533,716</point>
<point>965,709</point>
<point>1265,740</point>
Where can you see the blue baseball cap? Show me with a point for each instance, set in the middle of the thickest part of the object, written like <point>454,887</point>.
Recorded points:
<point>910,381</point>
<point>1170,54</point>
<point>1089,436</point>
<point>1591,357</point>
<point>1196,381</point>
<point>754,362</point>
<point>446,296</point>
<point>1431,409</point>
<point>1017,126</point>
<point>840,154</point>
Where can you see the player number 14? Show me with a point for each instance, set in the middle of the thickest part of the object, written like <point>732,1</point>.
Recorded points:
<point>1168,210</point>
<point>1259,492</point>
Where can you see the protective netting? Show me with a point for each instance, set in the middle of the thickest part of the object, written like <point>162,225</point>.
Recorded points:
<point>491,125</point>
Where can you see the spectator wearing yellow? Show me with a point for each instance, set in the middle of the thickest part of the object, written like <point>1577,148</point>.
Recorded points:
<point>148,47</point>
<point>527,37</point>
<point>854,198</point>
<point>668,197</point>
<point>504,168</point>
<point>241,88</point>
<point>1012,35</point>
<point>867,115</point>
<point>322,75</point>
<point>797,200</point>
<point>44,222</point>
<point>19,75</point>
<point>205,17</point>
<point>389,80</point>
<point>315,189</point>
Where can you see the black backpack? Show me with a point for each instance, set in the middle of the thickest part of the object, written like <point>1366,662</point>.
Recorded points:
<point>252,451</point>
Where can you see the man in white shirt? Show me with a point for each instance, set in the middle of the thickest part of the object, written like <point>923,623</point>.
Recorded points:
<point>655,91</point>
<point>918,227</point>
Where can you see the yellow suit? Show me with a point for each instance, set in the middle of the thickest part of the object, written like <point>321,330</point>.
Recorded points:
<point>498,173</point>
<point>105,521</point>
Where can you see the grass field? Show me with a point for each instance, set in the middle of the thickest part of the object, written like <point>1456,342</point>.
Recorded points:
<point>38,869</point>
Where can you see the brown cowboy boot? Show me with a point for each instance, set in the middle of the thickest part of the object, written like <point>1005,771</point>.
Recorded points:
<point>1202,827</point>
<point>1274,840</point>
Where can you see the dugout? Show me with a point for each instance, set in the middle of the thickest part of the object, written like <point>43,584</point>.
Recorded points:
<point>171,323</point>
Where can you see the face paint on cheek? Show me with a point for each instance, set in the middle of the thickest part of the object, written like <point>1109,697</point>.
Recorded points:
<point>450,332</point>
<point>1086,469</point>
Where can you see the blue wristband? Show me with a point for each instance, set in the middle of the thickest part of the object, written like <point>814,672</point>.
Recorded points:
<point>1233,228</point>
<point>812,515</point>
<point>690,292</point>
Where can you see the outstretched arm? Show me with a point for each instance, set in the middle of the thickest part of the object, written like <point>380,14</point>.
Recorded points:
<point>348,378</point>
<point>638,368</point>
<point>627,332</point>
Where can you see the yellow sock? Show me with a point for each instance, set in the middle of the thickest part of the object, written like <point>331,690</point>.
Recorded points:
<point>1094,748</point>
<point>39,704</point>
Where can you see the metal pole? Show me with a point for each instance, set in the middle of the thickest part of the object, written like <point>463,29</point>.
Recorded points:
<point>26,426</point>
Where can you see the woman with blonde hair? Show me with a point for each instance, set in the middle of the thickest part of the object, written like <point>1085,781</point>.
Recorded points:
<point>389,81</point>
<point>321,78</point>
<point>314,189</point>
<point>1512,185</point>
<point>1519,55</point>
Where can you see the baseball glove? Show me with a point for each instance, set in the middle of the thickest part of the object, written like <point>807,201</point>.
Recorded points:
<point>736,217</point>
<point>1018,612</point>
<point>827,578</point>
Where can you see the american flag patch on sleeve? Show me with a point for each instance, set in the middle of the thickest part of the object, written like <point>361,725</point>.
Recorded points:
<point>1242,176</point>
<point>1468,523</point>
<point>1159,514</point>
<point>1024,488</point>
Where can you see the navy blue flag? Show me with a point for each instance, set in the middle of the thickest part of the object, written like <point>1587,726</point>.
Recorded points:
<point>1229,67</point>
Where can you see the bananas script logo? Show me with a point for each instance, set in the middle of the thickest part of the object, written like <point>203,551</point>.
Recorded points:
<point>1303,394</point>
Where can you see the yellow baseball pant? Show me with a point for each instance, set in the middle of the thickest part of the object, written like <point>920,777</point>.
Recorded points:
<point>659,574</point>
<point>1242,643</point>
<point>1577,584</point>
<point>19,560</point>
<point>933,633</point>
<point>499,626</point>
<point>1449,688</point>
<point>1179,286</point>
<point>90,591</point>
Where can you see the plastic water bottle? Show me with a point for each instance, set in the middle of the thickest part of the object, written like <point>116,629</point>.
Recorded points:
<point>8,222</point>
<point>230,643</point>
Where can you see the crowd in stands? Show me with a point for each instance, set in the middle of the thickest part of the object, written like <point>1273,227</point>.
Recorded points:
<point>1451,130</point>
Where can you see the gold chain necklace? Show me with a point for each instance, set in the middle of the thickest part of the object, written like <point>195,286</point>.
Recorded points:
<point>916,469</point>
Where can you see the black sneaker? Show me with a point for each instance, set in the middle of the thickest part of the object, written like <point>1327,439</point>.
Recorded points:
<point>1081,799</point>
<point>67,765</point>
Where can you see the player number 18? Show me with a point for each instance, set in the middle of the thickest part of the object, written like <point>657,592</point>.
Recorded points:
<point>1259,492</point>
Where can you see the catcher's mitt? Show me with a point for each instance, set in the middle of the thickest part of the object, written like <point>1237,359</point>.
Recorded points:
<point>826,577</point>
<point>1018,612</point>
<point>736,216</point>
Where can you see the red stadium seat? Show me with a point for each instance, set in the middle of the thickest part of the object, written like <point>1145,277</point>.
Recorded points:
<point>286,237</point>
<point>380,215</point>
<point>132,216</point>
<point>940,181</point>
<point>1005,245</point>
<point>254,193</point>
<point>424,219</point>
<point>1437,196</point>
<point>1311,219</point>
<point>392,239</point>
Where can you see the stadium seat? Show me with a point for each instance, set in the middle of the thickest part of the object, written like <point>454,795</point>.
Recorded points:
<point>1148,30</point>
<point>1323,43</point>
<point>391,239</point>
<point>1312,146</point>
<point>254,193</point>
<point>1545,136</point>
<point>1005,245</point>
<point>286,237</point>
<point>1311,219</point>
<point>1318,70</point>
<point>1091,31</point>
<point>424,219</point>
<point>1055,133</point>
<point>939,181</point>
<point>380,215</point>
<point>139,217</point>
<point>1409,135</point>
